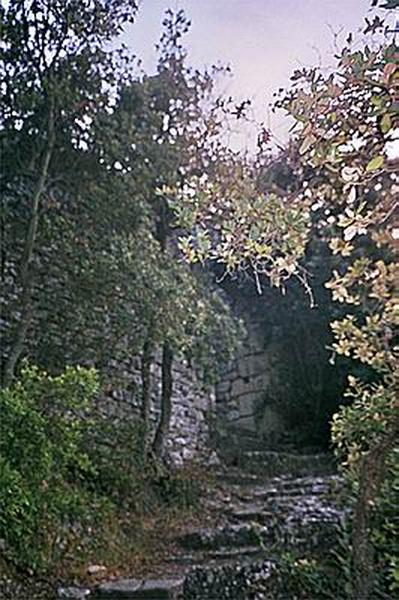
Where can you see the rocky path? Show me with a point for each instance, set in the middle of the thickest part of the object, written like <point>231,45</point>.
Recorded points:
<point>272,502</point>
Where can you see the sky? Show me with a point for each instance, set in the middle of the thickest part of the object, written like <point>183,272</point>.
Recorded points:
<point>263,41</point>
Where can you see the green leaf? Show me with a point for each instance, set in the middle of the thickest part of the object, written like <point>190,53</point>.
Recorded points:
<point>376,101</point>
<point>375,163</point>
<point>385,123</point>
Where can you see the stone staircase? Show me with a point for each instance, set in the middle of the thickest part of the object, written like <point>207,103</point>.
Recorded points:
<point>258,515</point>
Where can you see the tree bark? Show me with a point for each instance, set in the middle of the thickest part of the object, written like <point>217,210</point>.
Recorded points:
<point>146,362</point>
<point>372,473</point>
<point>158,446</point>
<point>166,402</point>
<point>27,256</point>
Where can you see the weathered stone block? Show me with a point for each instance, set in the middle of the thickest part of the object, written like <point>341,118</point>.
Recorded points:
<point>136,589</point>
<point>239,387</point>
<point>247,404</point>
<point>233,415</point>
<point>248,423</point>
<point>73,593</point>
<point>223,387</point>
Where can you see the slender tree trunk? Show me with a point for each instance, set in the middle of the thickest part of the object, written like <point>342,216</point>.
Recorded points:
<point>146,362</point>
<point>372,473</point>
<point>162,430</point>
<point>166,401</point>
<point>27,256</point>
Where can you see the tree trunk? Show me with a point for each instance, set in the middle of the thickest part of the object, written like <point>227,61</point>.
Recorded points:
<point>27,256</point>
<point>166,402</point>
<point>146,362</point>
<point>372,473</point>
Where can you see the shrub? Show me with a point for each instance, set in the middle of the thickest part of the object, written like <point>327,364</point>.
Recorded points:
<point>41,463</point>
<point>355,432</point>
<point>73,484</point>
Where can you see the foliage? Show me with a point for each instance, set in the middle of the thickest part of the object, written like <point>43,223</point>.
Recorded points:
<point>96,161</point>
<point>42,463</point>
<point>354,437</point>
<point>266,234</point>
<point>52,63</point>
<point>100,268</point>
<point>88,252</point>
<point>180,488</point>
<point>117,452</point>
<point>350,152</point>
<point>303,578</point>
<point>342,155</point>
<point>72,482</point>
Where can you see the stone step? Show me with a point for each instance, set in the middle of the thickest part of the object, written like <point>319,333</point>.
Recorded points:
<point>269,463</point>
<point>227,582</point>
<point>230,553</point>
<point>314,484</point>
<point>297,526</point>
<point>295,530</point>
<point>244,441</point>
<point>137,589</point>
<point>267,513</point>
<point>236,477</point>
<point>260,515</point>
<point>281,487</point>
<point>251,513</point>
<point>213,558</point>
<point>298,471</point>
<point>233,535</point>
<point>291,502</point>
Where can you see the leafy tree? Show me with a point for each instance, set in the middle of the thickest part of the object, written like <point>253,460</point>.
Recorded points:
<point>53,65</point>
<point>347,123</point>
<point>341,152</point>
<point>42,463</point>
<point>387,4</point>
<point>105,281</point>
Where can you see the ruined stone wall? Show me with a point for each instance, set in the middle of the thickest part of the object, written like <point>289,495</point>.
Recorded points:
<point>251,389</point>
<point>193,404</point>
<point>192,401</point>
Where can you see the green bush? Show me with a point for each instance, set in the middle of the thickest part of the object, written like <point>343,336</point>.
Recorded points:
<point>73,484</point>
<point>42,463</point>
<point>355,429</point>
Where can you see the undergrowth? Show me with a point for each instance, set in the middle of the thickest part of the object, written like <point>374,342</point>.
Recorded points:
<point>77,489</point>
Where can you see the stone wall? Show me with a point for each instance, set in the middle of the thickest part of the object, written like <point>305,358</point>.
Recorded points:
<point>251,389</point>
<point>193,403</point>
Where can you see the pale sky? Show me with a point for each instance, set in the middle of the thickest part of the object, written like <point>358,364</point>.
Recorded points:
<point>262,40</point>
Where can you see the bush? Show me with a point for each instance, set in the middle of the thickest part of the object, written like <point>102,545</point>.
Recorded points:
<point>355,431</point>
<point>73,484</point>
<point>41,463</point>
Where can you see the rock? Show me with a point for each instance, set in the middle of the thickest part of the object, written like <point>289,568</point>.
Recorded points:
<point>181,441</point>
<point>233,415</point>
<point>96,569</point>
<point>73,593</point>
<point>213,459</point>
<point>137,589</point>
